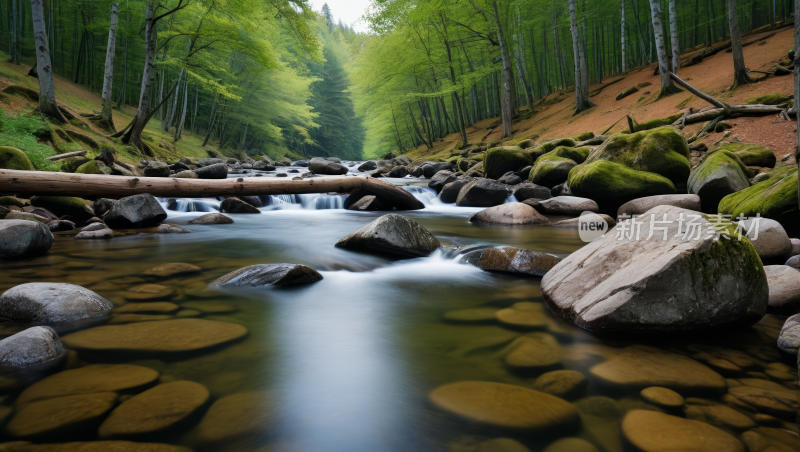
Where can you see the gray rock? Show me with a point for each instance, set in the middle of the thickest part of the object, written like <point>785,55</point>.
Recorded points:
<point>416,171</point>
<point>659,285</point>
<point>449,193</point>
<point>187,175</point>
<point>52,303</point>
<point>370,203</point>
<point>528,190</point>
<point>392,234</point>
<point>789,339</point>
<point>510,178</point>
<point>44,213</point>
<point>524,173</point>
<point>103,205</point>
<point>137,211</point>
<point>215,171</point>
<point>793,262</point>
<point>641,205</point>
<point>327,165</point>
<point>247,166</point>
<point>305,164</point>
<point>212,218</point>
<point>482,193</point>
<point>88,234</point>
<point>507,259</point>
<point>281,175</point>
<point>575,223</point>
<point>759,178</point>
<point>784,289</point>
<point>402,160</point>
<point>368,166</point>
<point>254,201</point>
<point>795,246</point>
<point>167,228</point>
<point>94,227</point>
<point>36,345</point>
<point>155,168</point>
<point>236,205</point>
<point>560,190</point>
<point>269,275</point>
<point>392,194</point>
<point>431,168</point>
<point>60,225</point>
<point>717,176</point>
<point>512,213</point>
<point>568,205</point>
<point>23,238</point>
<point>210,161</point>
<point>398,172</point>
<point>769,237</point>
<point>19,215</point>
<point>263,166</point>
<point>440,179</point>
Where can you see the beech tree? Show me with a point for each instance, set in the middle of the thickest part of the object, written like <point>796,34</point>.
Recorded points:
<point>673,33</point>
<point>47,93</point>
<point>667,87</point>
<point>740,76</point>
<point>105,120</point>
<point>581,68</point>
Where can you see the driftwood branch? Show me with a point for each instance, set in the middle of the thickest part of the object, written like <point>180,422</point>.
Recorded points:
<point>66,156</point>
<point>707,127</point>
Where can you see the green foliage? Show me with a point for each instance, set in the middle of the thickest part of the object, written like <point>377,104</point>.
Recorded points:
<point>752,154</point>
<point>24,133</point>
<point>768,99</point>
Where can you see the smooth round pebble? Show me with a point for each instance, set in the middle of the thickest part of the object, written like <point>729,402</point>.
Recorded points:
<point>662,397</point>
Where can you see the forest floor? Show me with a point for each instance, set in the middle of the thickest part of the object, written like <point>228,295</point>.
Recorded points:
<point>714,75</point>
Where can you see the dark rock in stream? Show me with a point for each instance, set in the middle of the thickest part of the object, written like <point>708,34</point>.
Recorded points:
<point>508,259</point>
<point>482,193</point>
<point>269,275</point>
<point>392,234</point>
<point>23,238</point>
<point>212,218</point>
<point>327,165</point>
<point>137,211</point>
<point>440,179</point>
<point>168,228</point>
<point>528,190</point>
<point>36,345</point>
<point>52,303</point>
<point>236,205</point>
<point>60,225</point>
<point>396,196</point>
<point>103,205</point>
<point>370,203</point>
<point>215,171</point>
<point>449,192</point>
<point>789,339</point>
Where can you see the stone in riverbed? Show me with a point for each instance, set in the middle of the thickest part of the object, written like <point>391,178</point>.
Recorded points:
<point>440,179</point>
<point>180,335</point>
<point>482,193</point>
<point>567,384</point>
<point>652,431</point>
<point>449,193</point>
<point>392,234</point>
<point>119,319</point>
<point>642,366</point>
<point>770,239</point>
<point>153,306</point>
<point>789,339</point>
<point>92,446</point>
<point>61,416</point>
<point>595,218</point>
<point>172,269</point>
<point>528,190</point>
<point>568,205</point>
<point>326,165</point>
<point>212,218</point>
<point>269,275</point>
<point>14,215</point>
<point>215,171</point>
<point>471,315</point>
<point>396,196</point>
<point>60,225</point>
<point>398,172</point>
<point>370,203</point>
<point>23,238</point>
<point>36,345</point>
<point>168,228</point>
<point>641,205</point>
<point>146,292</point>
<point>235,416</point>
<point>76,208</point>
<point>94,378</point>
<point>571,445</point>
<point>512,213</point>
<point>154,410</point>
<point>533,351</point>
<point>504,406</point>
<point>137,211</point>
<point>662,397</point>
<point>101,232</point>
<point>52,303</point>
<point>508,259</point>
<point>721,415</point>
<point>236,205</point>
<point>784,289</point>
<point>657,285</point>
<point>524,314</point>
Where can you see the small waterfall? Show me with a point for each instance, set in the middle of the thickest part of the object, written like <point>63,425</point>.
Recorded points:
<point>189,204</point>
<point>311,201</point>
<point>426,195</point>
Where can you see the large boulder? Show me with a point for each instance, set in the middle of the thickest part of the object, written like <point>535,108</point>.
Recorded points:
<point>36,345</point>
<point>236,205</point>
<point>137,211</point>
<point>155,168</point>
<point>431,168</point>
<point>76,208</point>
<point>440,179</point>
<point>325,165</point>
<point>94,167</point>
<point>482,193</point>
<point>543,149</point>
<point>23,238</point>
<point>613,184</point>
<point>784,289</point>
<point>498,161</point>
<point>529,190</point>
<point>214,171</point>
<point>269,275</point>
<point>14,159</point>
<point>641,205</point>
<point>512,213</point>
<point>368,166</point>
<point>370,203</point>
<point>752,154</point>
<point>567,205</point>
<point>52,303</point>
<point>789,338</point>
<point>553,168</point>
<point>507,259</point>
<point>394,195</point>
<point>666,281</point>
<point>769,238</point>
<point>774,198</point>
<point>398,172</point>
<point>449,193</point>
<point>653,431</point>
<point>392,234</point>
<point>718,175</point>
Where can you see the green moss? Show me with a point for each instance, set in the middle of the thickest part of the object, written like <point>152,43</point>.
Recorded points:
<point>93,167</point>
<point>584,136</point>
<point>774,198</point>
<point>752,154</point>
<point>551,169</point>
<point>722,126</point>
<point>613,183</point>
<point>539,151</point>
<point>14,159</point>
<point>713,162</point>
<point>64,205</point>
<point>499,161</point>
<point>9,201</point>
<point>644,84</point>
<point>525,144</point>
<point>655,123</point>
<point>71,164</point>
<point>24,132</point>
<point>684,102</point>
<point>662,151</point>
<point>576,154</point>
<point>464,164</point>
<point>768,99</point>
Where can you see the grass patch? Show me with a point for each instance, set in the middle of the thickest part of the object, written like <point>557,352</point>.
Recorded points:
<point>684,102</point>
<point>24,132</point>
<point>644,84</point>
<point>768,99</point>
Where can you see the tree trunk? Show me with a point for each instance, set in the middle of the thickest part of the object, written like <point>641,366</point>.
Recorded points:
<point>673,31</point>
<point>506,106</point>
<point>14,57</point>
<point>47,94</point>
<point>148,80</point>
<point>242,140</point>
<point>639,28</point>
<point>196,100</point>
<point>667,87</point>
<point>125,59</point>
<point>165,125</point>
<point>211,120</point>
<point>179,127</point>
<point>108,74</point>
<point>622,41</point>
<point>740,76</point>
<point>581,68</point>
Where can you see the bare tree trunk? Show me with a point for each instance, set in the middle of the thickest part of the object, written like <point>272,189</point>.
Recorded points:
<point>108,74</point>
<point>673,31</point>
<point>179,127</point>
<point>622,28</point>
<point>639,28</point>
<point>14,57</point>
<point>581,68</point>
<point>148,80</point>
<point>740,76</point>
<point>506,106</point>
<point>47,93</point>
<point>125,59</point>
<point>165,125</point>
<point>667,87</point>
<point>196,100</point>
<point>242,140</point>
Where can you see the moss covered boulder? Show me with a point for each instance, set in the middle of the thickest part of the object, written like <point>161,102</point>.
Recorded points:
<point>501,160</point>
<point>93,167</point>
<point>669,281</point>
<point>14,159</point>
<point>752,154</point>
<point>718,175</point>
<point>76,208</point>
<point>774,198</point>
<point>71,165</point>
<point>539,151</point>
<point>553,168</point>
<point>613,184</point>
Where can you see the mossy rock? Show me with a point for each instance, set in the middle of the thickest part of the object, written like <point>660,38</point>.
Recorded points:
<point>93,167</point>
<point>72,164</point>
<point>464,164</point>
<point>613,184</point>
<point>752,154</point>
<point>774,198</point>
<point>76,208</point>
<point>10,201</point>
<point>584,136</point>
<point>543,149</point>
<point>768,99</point>
<point>499,161</point>
<point>718,175</point>
<point>551,169</point>
<point>656,123</point>
<point>454,160</point>
<point>525,144</point>
<point>14,159</point>
<point>663,151</point>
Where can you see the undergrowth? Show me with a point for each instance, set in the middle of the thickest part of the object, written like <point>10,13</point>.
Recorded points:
<point>24,132</point>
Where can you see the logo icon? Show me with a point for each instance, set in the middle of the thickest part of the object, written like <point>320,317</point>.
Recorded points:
<point>591,226</point>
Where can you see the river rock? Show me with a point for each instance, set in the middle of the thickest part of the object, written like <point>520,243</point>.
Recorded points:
<point>155,410</point>
<point>642,205</point>
<point>236,205</point>
<point>23,238</point>
<point>215,171</point>
<point>60,416</point>
<point>642,366</point>
<point>398,172</point>
<point>512,213</point>
<point>508,259</point>
<point>571,445</point>
<point>152,306</point>
<point>721,415</point>
<point>440,179</point>
<point>652,431</point>
<point>368,166</point>
<point>212,218</point>
<point>18,215</point>
<point>92,446</point>
<point>180,335</point>
<point>145,292</point>
<point>36,345</point>
<point>236,416</point>
<point>568,205</point>
<point>396,196</point>
<point>524,314</point>
<point>718,175</point>
<point>52,303</point>
<point>155,168</point>
<point>662,397</point>
<point>187,174</point>
<point>567,384</point>
<point>768,236</point>
<point>471,315</point>
<point>269,275</point>
<point>575,223</point>
<point>392,234</point>
<point>482,193</point>
<point>784,289</point>
<point>789,339</point>
<point>449,193</point>
<point>60,225</point>
<point>76,208</point>
<point>504,406</point>
<point>528,190</point>
<point>137,211</point>
<point>431,168</point>
<point>90,379</point>
<point>658,285</point>
<point>41,212</point>
<point>500,160</point>
<point>172,269</point>
<point>766,397</point>
<point>169,228</point>
<point>89,233</point>
<point>325,165</point>
<point>534,351</point>
<point>370,203</point>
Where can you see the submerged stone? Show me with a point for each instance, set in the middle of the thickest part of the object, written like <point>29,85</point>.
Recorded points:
<point>212,218</point>
<point>508,259</point>
<point>652,431</point>
<point>662,397</point>
<point>172,269</point>
<point>567,384</point>
<point>533,351</point>
<point>524,314</point>
<point>471,315</point>
<point>61,416</point>
<point>236,416</point>
<point>513,213</point>
<point>269,275</point>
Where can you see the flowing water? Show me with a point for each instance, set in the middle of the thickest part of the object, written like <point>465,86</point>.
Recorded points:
<point>347,363</point>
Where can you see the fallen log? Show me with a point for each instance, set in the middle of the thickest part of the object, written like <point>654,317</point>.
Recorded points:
<point>627,92</point>
<point>66,156</point>
<point>102,186</point>
<point>697,92</point>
